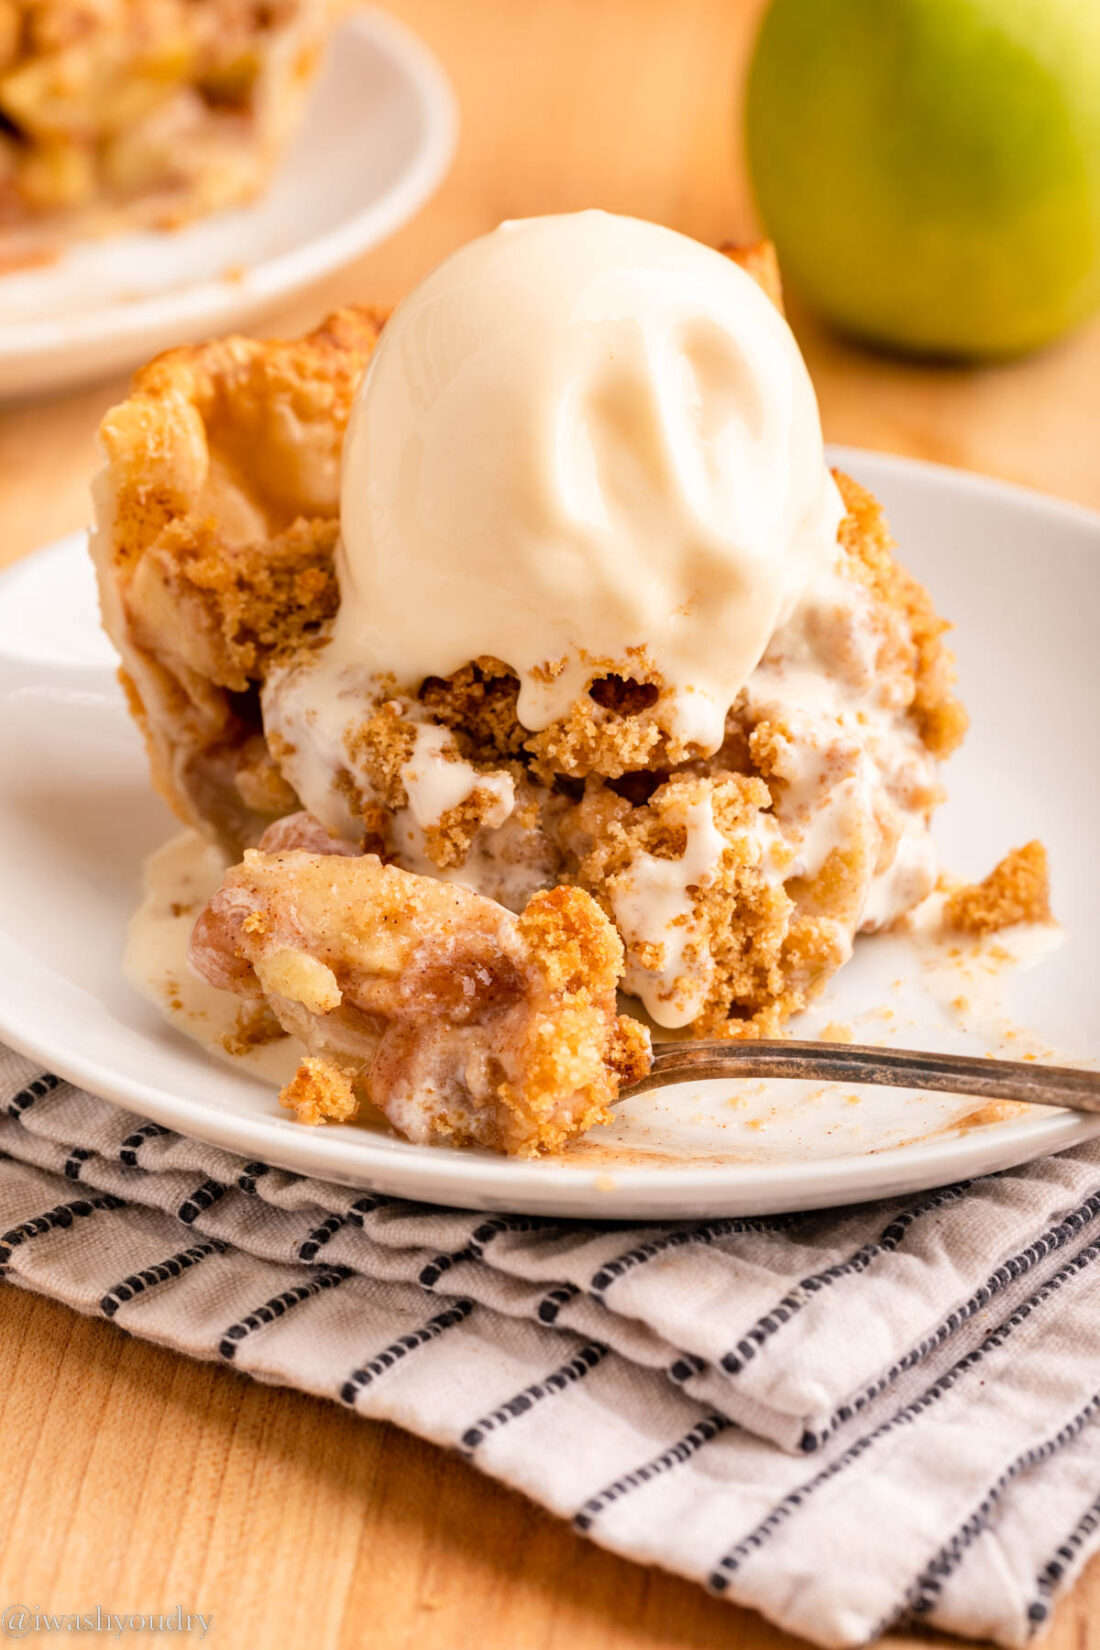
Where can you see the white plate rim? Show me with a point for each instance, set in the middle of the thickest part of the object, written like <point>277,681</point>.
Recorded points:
<point>440,1175</point>
<point>216,303</point>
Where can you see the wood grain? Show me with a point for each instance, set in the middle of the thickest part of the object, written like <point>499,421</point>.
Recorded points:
<point>137,1480</point>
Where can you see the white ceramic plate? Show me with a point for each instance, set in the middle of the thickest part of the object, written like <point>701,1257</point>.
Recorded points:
<point>1019,573</point>
<point>377,138</point>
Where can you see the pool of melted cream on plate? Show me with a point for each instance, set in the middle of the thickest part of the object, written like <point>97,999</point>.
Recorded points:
<point>178,878</point>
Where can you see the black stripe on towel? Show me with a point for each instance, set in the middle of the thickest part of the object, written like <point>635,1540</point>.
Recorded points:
<point>25,1099</point>
<point>358,1211</point>
<point>797,1498</point>
<point>329,1277</point>
<point>1056,1568</point>
<point>311,1246</point>
<point>1010,1271</point>
<point>78,1155</point>
<point>201,1199</point>
<point>60,1218</point>
<point>583,1362</point>
<point>803,1292</point>
<point>711,1426</point>
<point>551,1304</point>
<point>138,1283</point>
<point>435,1269</point>
<point>361,1378</point>
<point>686,1366</point>
<point>475,1245</point>
<point>246,1180</point>
<point>612,1270</point>
<point>922,1596</point>
<point>491,1228</point>
<point>127,1152</point>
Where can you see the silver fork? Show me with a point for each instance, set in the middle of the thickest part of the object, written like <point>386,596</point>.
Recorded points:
<point>905,1068</point>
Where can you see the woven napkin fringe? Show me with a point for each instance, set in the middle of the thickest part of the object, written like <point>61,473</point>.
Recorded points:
<point>844,1420</point>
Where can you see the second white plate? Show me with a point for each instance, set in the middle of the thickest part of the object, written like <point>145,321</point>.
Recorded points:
<point>1018,573</point>
<point>377,138</point>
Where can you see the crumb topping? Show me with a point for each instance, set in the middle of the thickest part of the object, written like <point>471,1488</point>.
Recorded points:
<point>940,717</point>
<point>1016,890</point>
<point>320,1092</point>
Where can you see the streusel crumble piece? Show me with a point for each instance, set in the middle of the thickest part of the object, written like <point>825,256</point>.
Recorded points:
<point>1016,890</point>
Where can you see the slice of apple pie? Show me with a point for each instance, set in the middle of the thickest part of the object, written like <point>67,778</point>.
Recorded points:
<point>137,113</point>
<point>585,624</point>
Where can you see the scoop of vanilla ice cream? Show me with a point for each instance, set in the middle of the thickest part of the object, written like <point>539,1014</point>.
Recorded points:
<point>584,445</point>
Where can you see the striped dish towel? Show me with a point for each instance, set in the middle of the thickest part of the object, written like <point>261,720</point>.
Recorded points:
<point>847,1419</point>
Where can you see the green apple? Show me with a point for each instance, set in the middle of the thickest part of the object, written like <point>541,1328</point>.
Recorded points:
<point>930,169</point>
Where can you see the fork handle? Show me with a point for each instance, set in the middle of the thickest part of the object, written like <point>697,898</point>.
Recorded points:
<point>905,1068</point>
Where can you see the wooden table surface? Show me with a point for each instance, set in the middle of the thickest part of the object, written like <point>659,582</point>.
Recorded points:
<point>290,1520</point>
